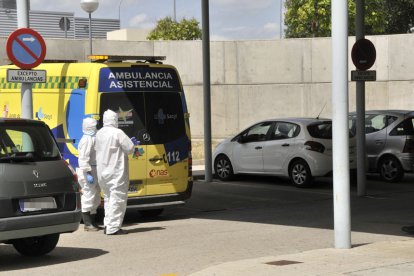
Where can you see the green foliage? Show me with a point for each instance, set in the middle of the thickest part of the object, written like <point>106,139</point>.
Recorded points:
<point>400,16</point>
<point>312,18</point>
<point>308,18</point>
<point>168,29</point>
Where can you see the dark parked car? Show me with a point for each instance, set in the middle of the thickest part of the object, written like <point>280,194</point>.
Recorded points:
<point>39,196</point>
<point>389,142</point>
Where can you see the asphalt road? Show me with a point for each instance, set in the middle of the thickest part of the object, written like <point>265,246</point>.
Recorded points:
<point>247,218</point>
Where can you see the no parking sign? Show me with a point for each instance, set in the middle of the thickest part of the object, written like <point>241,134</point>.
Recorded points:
<point>26,48</point>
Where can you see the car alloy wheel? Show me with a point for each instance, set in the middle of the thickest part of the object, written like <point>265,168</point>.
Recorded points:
<point>223,168</point>
<point>391,169</point>
<point>300,174</point>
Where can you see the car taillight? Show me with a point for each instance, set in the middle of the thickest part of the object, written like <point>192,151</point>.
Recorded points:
<point>315,146</point>
<point>409,146</point>
<point>190,161</point>
<point>75,176</point>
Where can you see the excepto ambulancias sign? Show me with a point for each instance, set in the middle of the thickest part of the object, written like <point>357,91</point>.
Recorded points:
<point>29,76</point>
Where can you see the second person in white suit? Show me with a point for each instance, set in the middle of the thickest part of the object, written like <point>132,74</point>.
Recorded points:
<point>87,176</point>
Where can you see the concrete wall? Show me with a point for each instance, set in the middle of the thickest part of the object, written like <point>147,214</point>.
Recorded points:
<point>128,34</point>
<point>253,80</point>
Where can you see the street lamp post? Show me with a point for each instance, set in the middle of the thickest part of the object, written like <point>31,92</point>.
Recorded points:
<point>175,12</point>
<point>89,6</point>
<point>119,12</point>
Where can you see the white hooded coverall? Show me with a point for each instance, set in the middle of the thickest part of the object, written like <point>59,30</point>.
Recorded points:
<point>91,193</point>
<point>112,149</point>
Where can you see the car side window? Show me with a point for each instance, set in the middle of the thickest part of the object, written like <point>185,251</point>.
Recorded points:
<point>284,130</point>
<point>256,133</point>
<point>375,122</point>
<point>406,127</point>
<point>352,125</point>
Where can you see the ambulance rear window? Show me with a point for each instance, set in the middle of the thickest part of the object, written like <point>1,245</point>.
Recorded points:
<point>151,117</point>
<point>165,117</point>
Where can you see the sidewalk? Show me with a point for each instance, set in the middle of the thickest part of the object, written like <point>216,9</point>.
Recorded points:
<point>380,258</point>
<point>198,172</point>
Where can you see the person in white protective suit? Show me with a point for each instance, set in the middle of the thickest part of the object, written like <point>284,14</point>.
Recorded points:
<point>112,149</point>
<point>87,175</point>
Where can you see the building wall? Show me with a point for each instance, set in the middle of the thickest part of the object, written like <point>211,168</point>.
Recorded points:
<point>49,24</point>
<point>254,80</point>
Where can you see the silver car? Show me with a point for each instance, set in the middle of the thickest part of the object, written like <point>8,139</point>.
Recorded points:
<point>39,196</point>
<point>389,142</point>
<point>300,148</point>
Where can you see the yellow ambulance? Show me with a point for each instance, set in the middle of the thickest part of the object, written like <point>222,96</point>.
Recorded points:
<point>149,99</point>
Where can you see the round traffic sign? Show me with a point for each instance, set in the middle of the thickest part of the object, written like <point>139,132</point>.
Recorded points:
<point>363,54</point>
<point>64,23</point>
<point>26,48</point>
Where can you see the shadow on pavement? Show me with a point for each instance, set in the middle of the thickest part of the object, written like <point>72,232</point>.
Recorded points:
<point>144,229</point>
<point>11,260</point>
<point>272,200</point>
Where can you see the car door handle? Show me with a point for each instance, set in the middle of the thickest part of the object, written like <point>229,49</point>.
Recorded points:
<point>155,159</point>
<point>258,148</point>
<point>285,145</point>
<point>379,142</point>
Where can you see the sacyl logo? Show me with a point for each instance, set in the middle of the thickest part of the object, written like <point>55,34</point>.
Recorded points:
<point>160,116</point>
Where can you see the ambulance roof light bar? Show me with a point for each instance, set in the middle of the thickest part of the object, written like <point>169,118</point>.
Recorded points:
<point>60,61</point>
<point>115,58</point>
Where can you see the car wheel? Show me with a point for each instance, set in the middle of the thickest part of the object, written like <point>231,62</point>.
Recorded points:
<point>300,174</point>
<point>151,213</point>
<point>390,169</point>
<point>36,246</point>
<point>223,168</point>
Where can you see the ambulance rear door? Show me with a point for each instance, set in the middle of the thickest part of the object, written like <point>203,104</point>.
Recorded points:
<point>131,119</point>
<point>167,143</point>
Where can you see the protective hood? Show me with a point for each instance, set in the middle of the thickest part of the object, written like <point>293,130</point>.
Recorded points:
<point>89,126</point>
<point>110,118</point>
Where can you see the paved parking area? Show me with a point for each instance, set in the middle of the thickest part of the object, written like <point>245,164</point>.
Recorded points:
<point>223,223</point>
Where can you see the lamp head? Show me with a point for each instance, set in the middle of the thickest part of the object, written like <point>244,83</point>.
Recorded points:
<point>89,5</point>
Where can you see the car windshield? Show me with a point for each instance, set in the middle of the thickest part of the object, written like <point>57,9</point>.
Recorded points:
<point>26,142</point>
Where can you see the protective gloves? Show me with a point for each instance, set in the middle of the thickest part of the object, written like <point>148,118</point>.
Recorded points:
<point>135,141</point>
<point>89,178</point>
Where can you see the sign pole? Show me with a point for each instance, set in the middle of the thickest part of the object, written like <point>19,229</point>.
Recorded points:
<point>206,90</point>
<point>360,107</point>
<point>26,88</point>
